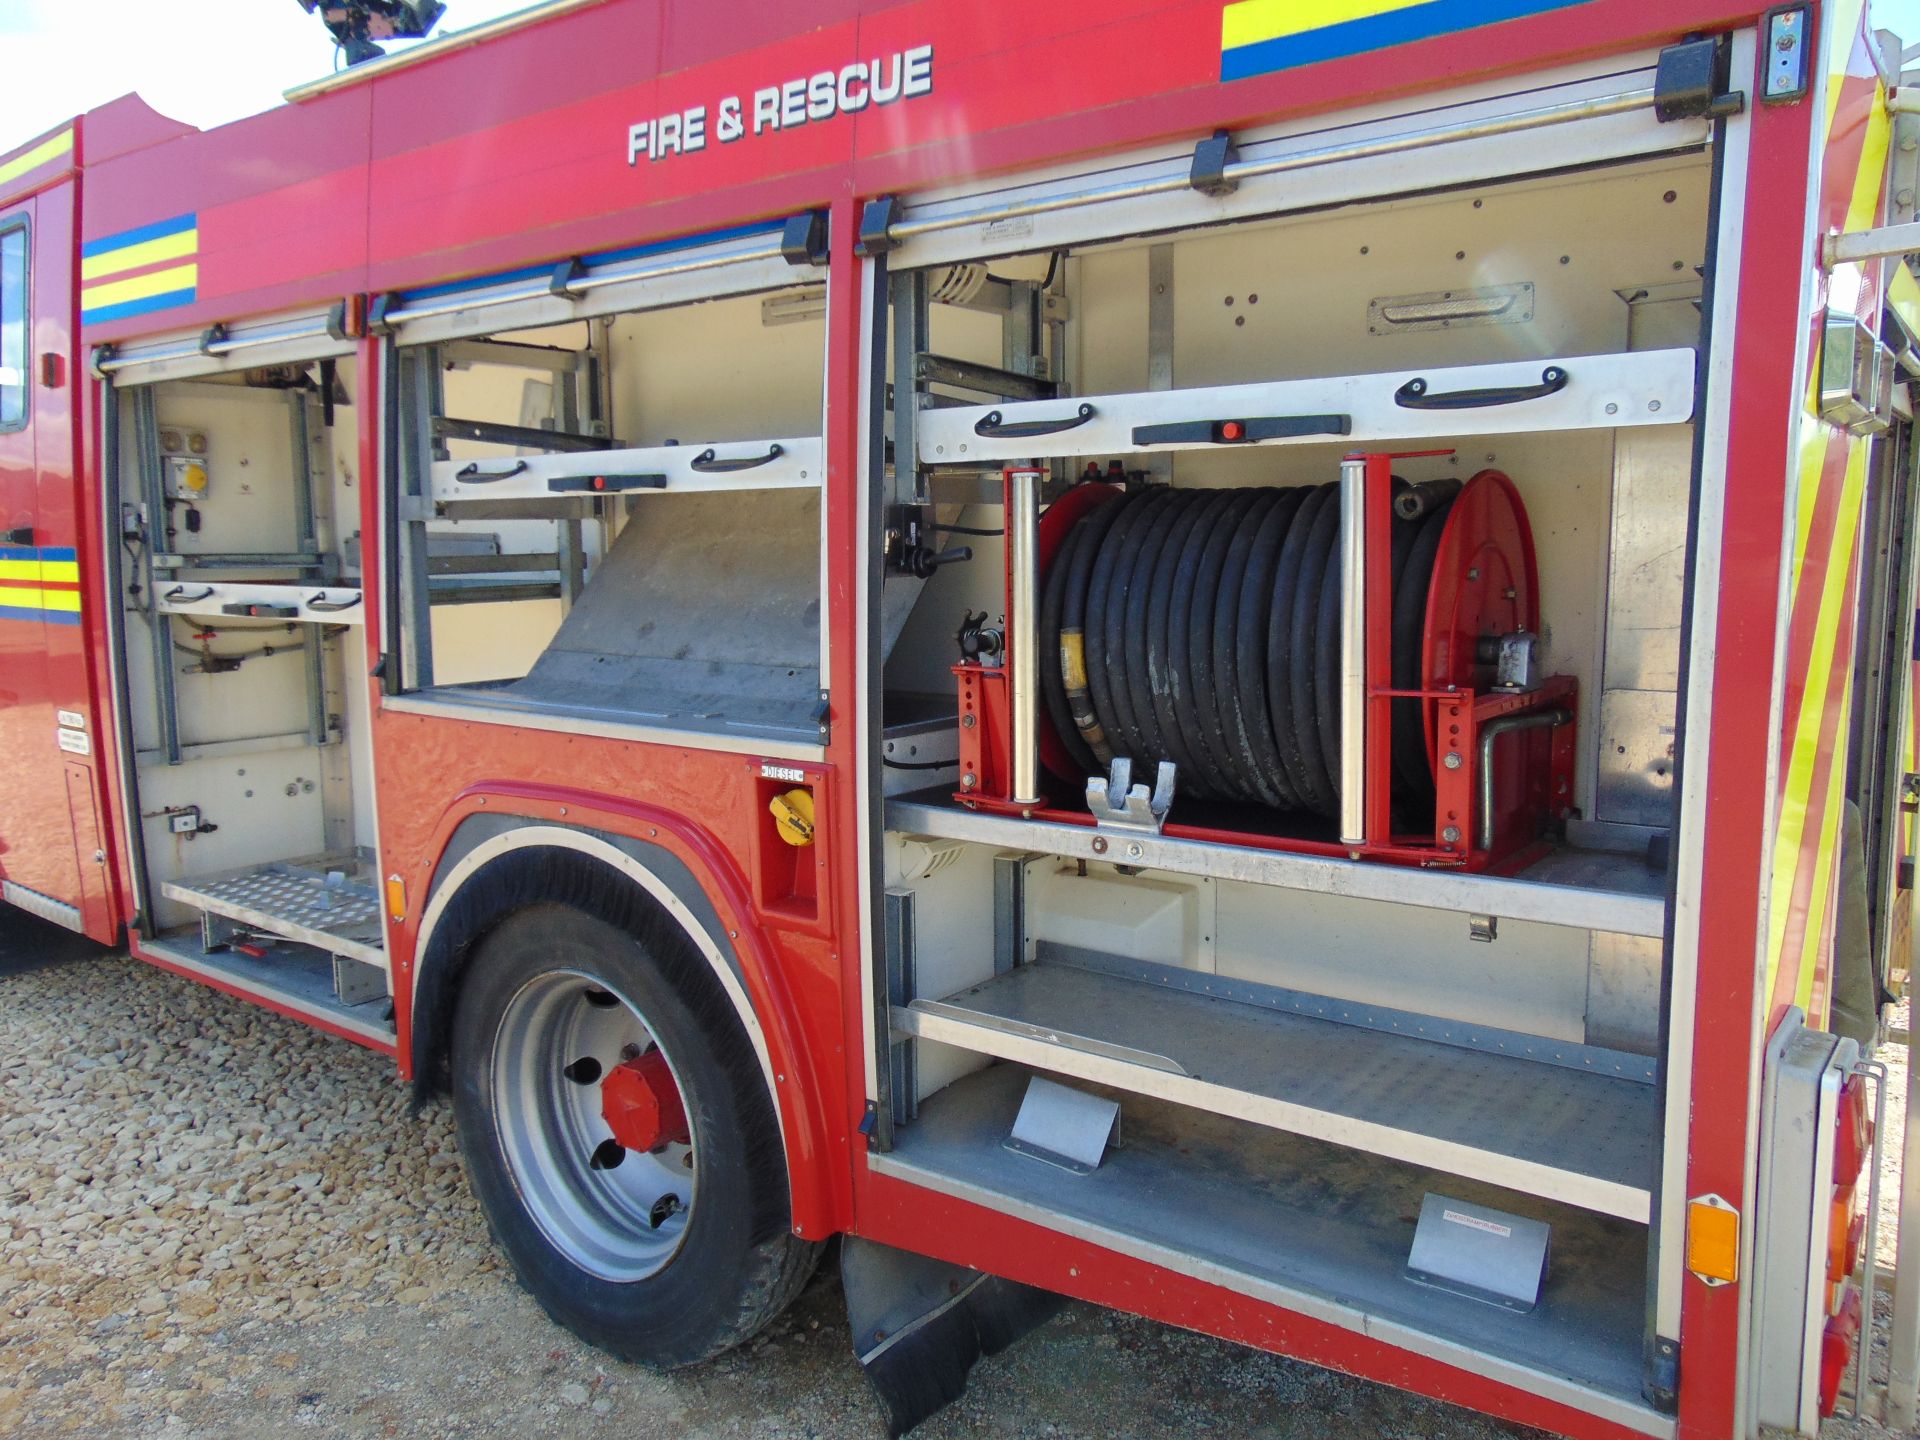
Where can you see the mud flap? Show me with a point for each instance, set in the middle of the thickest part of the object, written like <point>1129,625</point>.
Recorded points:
<point>919,1325</point>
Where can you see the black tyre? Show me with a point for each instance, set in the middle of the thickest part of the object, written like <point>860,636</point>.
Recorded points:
<point>666,1255</point>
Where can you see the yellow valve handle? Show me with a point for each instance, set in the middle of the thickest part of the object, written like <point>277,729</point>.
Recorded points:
<point>793,816</point>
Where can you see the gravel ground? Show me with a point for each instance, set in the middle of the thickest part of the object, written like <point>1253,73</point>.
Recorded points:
<point>217,1223</point>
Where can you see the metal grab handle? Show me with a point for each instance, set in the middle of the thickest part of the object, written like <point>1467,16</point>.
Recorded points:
<point>707,463</point>
<point>994,426</point>
<point>179,592</point>
<point>321,603</point>
<point>472,474</point>
<point>1413,395</point>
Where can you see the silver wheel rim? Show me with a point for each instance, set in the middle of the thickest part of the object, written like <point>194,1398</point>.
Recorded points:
<point>621,1223</point>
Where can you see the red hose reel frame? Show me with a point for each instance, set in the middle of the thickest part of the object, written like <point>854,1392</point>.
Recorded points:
<point>1485,585</point>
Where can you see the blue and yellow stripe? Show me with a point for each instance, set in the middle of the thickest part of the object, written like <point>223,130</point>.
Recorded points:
<point>165,255</point>
<point>34,584</point>
<point>1258,37</point>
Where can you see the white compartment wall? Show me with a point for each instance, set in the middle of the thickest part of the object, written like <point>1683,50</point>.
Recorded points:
<point>250,506</point>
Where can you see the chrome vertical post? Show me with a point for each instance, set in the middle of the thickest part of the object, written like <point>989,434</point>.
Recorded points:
<point>1023,629</point>
<point>1353,651</point>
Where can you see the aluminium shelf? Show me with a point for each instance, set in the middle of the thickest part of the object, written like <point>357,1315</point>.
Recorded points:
<point>1318,1230</point>
<point>1568,1123</point>
<point>1614,895</point>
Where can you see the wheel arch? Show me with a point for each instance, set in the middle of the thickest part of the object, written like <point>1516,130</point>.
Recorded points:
<point>493,864</point>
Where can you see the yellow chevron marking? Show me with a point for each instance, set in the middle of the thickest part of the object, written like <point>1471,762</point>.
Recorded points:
<point>1804,749</point>
<point>1824,877</point>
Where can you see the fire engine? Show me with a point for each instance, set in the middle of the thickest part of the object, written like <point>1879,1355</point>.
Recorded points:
<point>1250,661</point>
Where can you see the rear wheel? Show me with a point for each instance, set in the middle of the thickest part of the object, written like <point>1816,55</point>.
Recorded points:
<point>617,1130</point>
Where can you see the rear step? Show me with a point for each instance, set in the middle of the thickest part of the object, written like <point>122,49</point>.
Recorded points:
<point>283,975</point>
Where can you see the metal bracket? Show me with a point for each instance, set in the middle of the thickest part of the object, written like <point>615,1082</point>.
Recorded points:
<point>1211,159</point>
<point>876,221</point>
<point>1481,1253</point>
<point>1065,1127</point>
<point>566,275</point>
<point>1010,938</point>
<point>803,241</point>
<point>1136,810</point>
<point>1483,927</point>
<point>897,1055</point>
<point>1686,80</point>
<point>357,983</point>
<point>217,931</point>
<point>381,307</point>
<point>1661,1387</point>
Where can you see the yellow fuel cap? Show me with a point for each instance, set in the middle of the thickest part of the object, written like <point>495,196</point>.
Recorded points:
<point>793,816</point>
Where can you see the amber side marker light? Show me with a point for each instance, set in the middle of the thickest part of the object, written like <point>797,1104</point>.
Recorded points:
<point>1713,1240</point>
<point>396,899</point>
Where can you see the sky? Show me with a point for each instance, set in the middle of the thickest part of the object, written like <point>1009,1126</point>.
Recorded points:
<point>202,61</point>
<point>211,61</point>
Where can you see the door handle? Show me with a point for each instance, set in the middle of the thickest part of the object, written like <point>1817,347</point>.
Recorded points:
<point>20,535</point>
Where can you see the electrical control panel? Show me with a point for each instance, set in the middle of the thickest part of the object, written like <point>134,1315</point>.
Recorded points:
<point>185,463</point>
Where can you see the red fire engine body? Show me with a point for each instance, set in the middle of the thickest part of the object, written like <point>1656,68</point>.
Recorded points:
<point>485,545</point>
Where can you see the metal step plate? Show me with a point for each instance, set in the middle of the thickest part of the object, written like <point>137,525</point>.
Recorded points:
<point>320,901</point>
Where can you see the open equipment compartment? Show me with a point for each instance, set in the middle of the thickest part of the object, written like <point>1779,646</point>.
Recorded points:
<point>1434,963</point>
<point>234,505</point>
<point>597,523</point>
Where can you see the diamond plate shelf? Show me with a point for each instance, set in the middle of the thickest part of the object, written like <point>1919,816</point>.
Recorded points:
<point>323,901</point>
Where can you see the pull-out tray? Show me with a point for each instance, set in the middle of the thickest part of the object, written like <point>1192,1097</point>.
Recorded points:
<point>1582,392</point>
<point>797,464</point>
<point>1567,1122</point>
<point>251,600</point>
<point>324,902</point>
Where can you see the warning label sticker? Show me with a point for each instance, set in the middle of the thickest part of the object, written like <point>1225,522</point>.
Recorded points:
<point>1474,1222</point>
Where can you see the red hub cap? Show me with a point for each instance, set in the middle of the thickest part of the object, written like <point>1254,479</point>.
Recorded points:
<point>642,1104</point>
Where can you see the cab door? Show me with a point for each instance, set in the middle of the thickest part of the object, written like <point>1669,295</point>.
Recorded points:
<point>42,649</point>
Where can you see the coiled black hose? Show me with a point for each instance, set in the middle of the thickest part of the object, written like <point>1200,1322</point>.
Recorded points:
<point>1203,627</point>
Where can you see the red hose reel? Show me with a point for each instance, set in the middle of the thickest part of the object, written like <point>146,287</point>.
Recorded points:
<point>1469,717</point>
